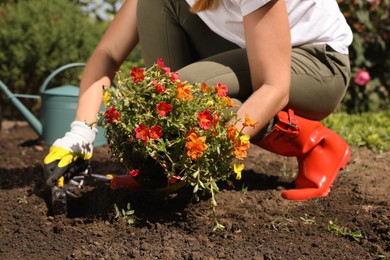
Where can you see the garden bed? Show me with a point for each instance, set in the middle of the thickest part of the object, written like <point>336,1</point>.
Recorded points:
<point>259,224</point>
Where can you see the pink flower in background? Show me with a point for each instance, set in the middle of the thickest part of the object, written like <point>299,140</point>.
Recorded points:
<point>362,77</point>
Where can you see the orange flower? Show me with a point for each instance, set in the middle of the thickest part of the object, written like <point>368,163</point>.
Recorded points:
<point>228,102</point>
<point>184,91</point>
<point>249,121</point>
<point>195,145</point>
<point>216,123</point>
<point>232,133</point>
<point>205,88</point>
<point>240,146</point>
<point>192,131</point>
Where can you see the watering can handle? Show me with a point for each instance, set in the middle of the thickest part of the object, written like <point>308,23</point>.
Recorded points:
<point>57,71</point>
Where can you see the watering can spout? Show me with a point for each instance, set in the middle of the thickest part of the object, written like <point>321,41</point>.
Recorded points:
<point>27,114</point>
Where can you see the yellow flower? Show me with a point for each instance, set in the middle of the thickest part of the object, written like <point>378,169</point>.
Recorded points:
<point>210,103</point>
<point>106,98</point>
<point>238,169</point>
<point>245,139</point>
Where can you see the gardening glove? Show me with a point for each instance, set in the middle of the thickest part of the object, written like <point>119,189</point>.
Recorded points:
<point>69,155</point>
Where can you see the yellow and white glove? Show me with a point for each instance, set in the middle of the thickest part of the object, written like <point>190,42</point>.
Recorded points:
<point>72,151</point>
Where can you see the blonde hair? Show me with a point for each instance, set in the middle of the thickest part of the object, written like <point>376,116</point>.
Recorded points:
<point>202,5</point>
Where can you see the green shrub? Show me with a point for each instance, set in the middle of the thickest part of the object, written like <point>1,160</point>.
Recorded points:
<point>37,37</point>
<point>370,23</point>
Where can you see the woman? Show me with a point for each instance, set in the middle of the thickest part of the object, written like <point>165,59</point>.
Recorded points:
<point>285,60</point>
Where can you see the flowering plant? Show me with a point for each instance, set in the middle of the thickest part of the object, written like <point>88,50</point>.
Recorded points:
<point>184,130</point>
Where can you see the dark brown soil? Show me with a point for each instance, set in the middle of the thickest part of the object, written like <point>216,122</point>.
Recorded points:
<point>259,223</point>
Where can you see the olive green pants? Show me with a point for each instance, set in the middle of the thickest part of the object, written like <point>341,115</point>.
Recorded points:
<point>319,75</point>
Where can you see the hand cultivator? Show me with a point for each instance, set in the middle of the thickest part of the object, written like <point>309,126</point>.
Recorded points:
<point>69,185</point>
<point>72,182</point>
<point>80,174</point>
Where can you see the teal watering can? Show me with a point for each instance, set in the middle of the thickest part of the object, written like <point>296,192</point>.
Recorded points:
<point>58,109</point>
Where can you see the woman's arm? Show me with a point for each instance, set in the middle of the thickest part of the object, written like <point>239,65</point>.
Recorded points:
<point>269,53</point>
<point>118,41</point>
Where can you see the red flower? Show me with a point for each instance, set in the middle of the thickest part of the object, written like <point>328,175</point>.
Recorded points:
<point>134,172</point>
<point>205,119</point>
<point>155,132</point>
<point>159,88</point>
<point>173,180</point>
<point>221,90</point>
<point>142,132</point>
<point>111,115</point>
<point>137,74</point>
<point>163,108</point>
<point>161,65</point>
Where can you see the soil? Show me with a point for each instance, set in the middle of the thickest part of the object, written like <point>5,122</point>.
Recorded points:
<point>259,224</point>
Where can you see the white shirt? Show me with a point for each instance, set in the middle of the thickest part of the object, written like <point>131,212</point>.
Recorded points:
<point>311,21</point>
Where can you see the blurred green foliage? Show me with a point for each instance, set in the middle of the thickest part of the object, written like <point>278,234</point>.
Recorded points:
<point>368,129</point>
<point>38,36</point>
<point>370,52</point>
